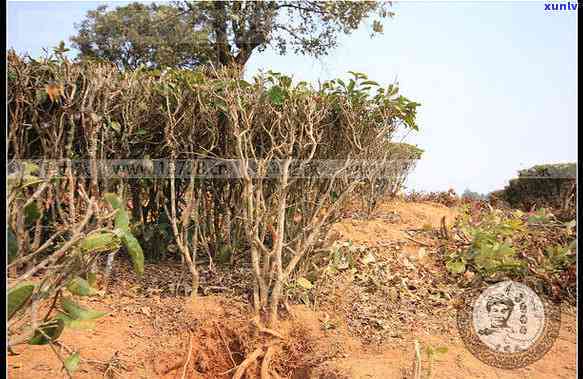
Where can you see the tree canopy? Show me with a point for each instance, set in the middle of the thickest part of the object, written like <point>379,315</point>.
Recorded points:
<point>136,34</point>
<point>189,33</point>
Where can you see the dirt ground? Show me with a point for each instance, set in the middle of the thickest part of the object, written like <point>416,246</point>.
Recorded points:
<point>151,335</point>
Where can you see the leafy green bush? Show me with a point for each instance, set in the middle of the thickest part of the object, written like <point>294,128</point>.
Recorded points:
<point>44,266</point>
<point>535,247</point>
<point>491,250</point>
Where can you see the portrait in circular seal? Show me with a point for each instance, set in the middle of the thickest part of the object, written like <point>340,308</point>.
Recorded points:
<point>508,325</point>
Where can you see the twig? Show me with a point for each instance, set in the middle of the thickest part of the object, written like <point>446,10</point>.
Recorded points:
<point>188,358</point>
<point>114,361</point>
<point>52,306</point>
<point>77,234</point>
<point>57,353</point>
<point>39,250</point>
<point>444,228</point>
<point>419,242</point>
<point>19,341</point>
<point>36,194</point>
<point>417,372</point>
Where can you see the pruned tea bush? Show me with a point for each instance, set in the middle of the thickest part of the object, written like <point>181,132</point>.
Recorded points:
<point>94,113</point>
<point>551,185</point>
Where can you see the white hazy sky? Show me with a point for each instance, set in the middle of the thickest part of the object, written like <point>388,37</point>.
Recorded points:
<point>497,80</point>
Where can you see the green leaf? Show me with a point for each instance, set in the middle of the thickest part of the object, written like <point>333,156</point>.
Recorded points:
<point>115,126</point>
<point>11,75</point>
<point>11,244</point>
<point>91,278</point>
<point>30,168</point>
<point>122,218</point>
<point>456,266</point>
<point>81,287</point>
<point>392,90</point>
<point>99,242</point>
<point>334,196</point>
<point>30,180</point>
<point>441,350</point>
<point>305,283</point>
<point>18,297</point>
<point>31,213</point>
<point>76,312</point>
<point>351,84</point>
<point>22,181</point>
<point>72,362</point>
<point>76,324</point>
<point>41,96</point>
<point>113,200</point>
<point>63,317</point>
<point>82,324</point>
<point>47,332</point>
<point>244,84</point>
<point>134,249</point>
<point>276,95</point>
<point>370,83</point>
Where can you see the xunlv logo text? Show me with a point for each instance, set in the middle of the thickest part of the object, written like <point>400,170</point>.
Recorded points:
<point>560,6</point>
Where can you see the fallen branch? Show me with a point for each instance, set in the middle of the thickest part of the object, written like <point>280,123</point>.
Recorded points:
<point>419,242</point>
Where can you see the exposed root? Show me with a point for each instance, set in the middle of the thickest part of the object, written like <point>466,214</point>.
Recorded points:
<point>226,345</point>
<point>266,372</point>
<point>265,330</point>
<point>187,359</point>
<point>272,333</point>
<point>417,362</point>
<point>163,371</point>
<point>265,364</point>
<point>258,353</point>
<point>241,348</point>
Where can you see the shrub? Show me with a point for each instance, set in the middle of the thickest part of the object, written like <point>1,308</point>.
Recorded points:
<point>551,186</point>
<point>92,113</point>
<point>533,247</point>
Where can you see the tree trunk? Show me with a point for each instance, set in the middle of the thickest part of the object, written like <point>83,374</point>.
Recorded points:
<point>222,47</point>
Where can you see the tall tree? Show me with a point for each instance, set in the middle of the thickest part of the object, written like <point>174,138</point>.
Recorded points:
<point>222,32</point>
<point>136,34</point>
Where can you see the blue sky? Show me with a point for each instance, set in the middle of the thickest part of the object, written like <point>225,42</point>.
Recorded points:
<point>497,80</point>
